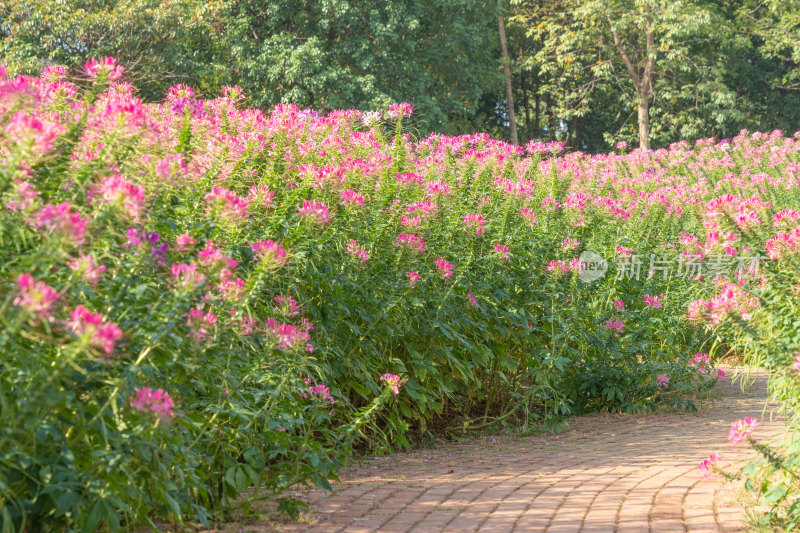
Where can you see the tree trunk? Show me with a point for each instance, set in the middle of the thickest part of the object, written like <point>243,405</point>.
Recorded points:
<point>536,108</point>
<point>507,71</point>
<point>644,123</point>
<point>525,101</point>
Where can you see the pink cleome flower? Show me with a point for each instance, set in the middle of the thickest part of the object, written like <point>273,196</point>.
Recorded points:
<point>413,278</point>
<point>116,190</point>
<point>87,268</point>
<point>101,333</point>
<point>529,215</point>
<point>187,275</point>
<point>270,252</point>
<point>286,305</point>
<point>445,268</point>
<point>94,68</point>
<point>706,466</point>
<point>403,109</point>
<point>157,401</point>
<point>411,242</point>
<point>322,391</point>
<point>288,336</point>
<point>472,299</point>
<point>742,429</point>
<point>501,250</point>
<point>569,244</point>
<point>619,304</point>
<point>224,202</point>
<point>654,301</point>
<point>474,223</point>
<point>351,198</point>
<point>185,242</point>
<point>614,324</point>
<point>23,197</point>
<point>200,324</point>
<point>315,211</point>
<point>663,381</point>
<point>260,194</point>
<point>393,381</point>
<point>30,134</point>
<point>61,219</point>
<point>358,250</point>
<point>35,297</point>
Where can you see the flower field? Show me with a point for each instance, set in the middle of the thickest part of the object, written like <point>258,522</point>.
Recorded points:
<point>199,300</point>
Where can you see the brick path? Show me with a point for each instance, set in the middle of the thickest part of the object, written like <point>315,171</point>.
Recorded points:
<point>606,473</point>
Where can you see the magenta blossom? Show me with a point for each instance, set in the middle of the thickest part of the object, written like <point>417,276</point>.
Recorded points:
<point>411,241</point>
<point>185,242</point>
<point>653,301</point>
<point>742,429</point>
<point>663,381</point>
<point>158,402</point>
<point>501,250</point>
<point>413,278</point>
<point>393,381</point>
<point>63,220</point>
<point>357,250</point>
<point>445,268</point>
<point>472,299</point>
<point>93,68</point>
<point>224,202</point>
<point>35,297</point>
<point>87,268</point>
<point>475,223</point>
<point>102,334</point>
<point>270,252</point>
<point>706,466</point>
<point>315,211</point>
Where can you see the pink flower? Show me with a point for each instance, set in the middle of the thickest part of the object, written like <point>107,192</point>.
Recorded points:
<point>445,268</point>
<point>288,336</point>
<point>653,301</point>
<point>35,297</point>
<point>358,250</point>
<point>200,323</point>
<point>624,252</point>
<point>185,242</point>
<point>701,358</point>
<point>286,305</point>
<point>102,334</point>
<point>663,381</point>
<point>260,194</point>
<point>796,365</point>
<point>411,241</point>
<point>24,195</point>
<point>351,197</point>
<point>60,218</point>
<point>212,256</point>
<point>224,202</point>
<point>322,391</point>
<point>619,304</point>
<point>393,381</point>
<point>569,244</point>
<point>230,287</point>
<point>707,465</point>
<point>29,135</point>
<point>157,402</point>
<point>472,299</point>
<point>528,215</point>
<point>116,190</point>
<point>474,223</point>
<point>315,211</point>
<point>270,252</point>
<point>400,110</point>
<point>94,68</point>
<point>615,325</point>
<point>501,250</point>
<point>413,278</point>
<point>88,269</point>
<point>437,188</point>
<point>187,275</point>
<point>742,429</point>
<point>178,91</point>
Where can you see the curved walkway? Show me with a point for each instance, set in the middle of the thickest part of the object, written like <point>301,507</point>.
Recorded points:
<point>606,473</point>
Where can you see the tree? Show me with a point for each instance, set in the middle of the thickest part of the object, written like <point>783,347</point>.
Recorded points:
<point>159,43</point>
<point>512,121</point>
<point>641,49</point>
<point>437,54</point>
